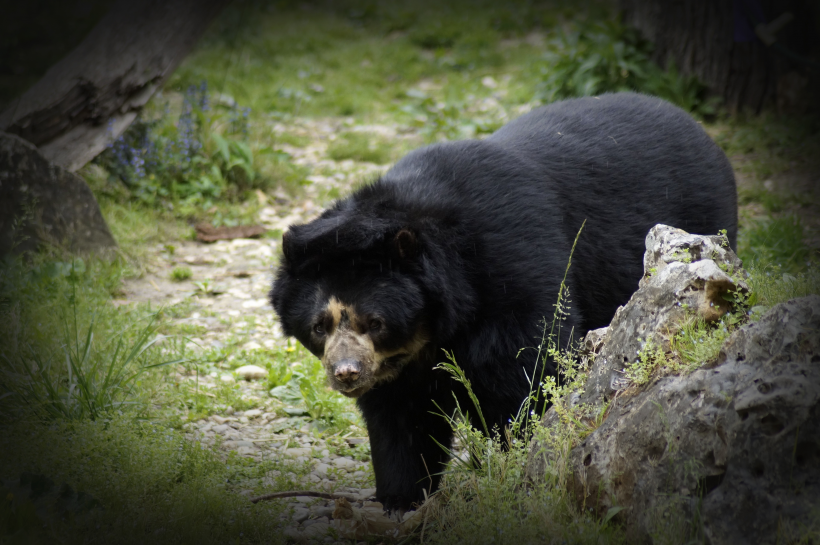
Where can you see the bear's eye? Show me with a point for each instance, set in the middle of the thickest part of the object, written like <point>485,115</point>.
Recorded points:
<point>319,329</point>
<point>375,324</point>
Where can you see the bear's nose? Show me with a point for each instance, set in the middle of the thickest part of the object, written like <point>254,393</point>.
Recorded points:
<point>347,370</point>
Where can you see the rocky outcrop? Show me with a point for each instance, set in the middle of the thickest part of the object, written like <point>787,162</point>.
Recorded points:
<point>727,454</point>
<point>683,275</point>
<point>41,203</point>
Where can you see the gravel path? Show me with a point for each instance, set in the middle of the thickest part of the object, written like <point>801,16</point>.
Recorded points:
<point>224,303</point>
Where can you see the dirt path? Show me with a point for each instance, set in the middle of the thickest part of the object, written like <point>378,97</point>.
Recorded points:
<point>224,302</point>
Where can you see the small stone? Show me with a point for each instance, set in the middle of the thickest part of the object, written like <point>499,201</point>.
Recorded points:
<point>293,534</point>
<point>317,528</point>
<point>489,82</point>
<point>236,444</point>
<point>227,378</point>
<point>322,469</point>
<point>218,419</point>
<point>253,413</point>
<point>300,514</point>
<point>222,428</point>
<point>367,493</point>
<point>321,511</point>
<point>344,463</point>
<point>295,452</point>
<point>251,372</point>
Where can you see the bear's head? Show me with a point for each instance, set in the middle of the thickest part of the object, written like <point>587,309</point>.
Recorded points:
<point>351,289</point>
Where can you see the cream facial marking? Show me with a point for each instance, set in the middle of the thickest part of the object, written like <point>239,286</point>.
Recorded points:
<point>352,362</point>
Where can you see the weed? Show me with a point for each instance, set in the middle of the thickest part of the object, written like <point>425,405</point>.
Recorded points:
<point>650,358</point>
<point>698,342</point>
<point>180,274</point>
<point>485,494</point>
<point>66,354</point>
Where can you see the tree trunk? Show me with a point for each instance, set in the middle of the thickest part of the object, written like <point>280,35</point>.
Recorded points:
<point>93,94</point>
<point>715,41</point>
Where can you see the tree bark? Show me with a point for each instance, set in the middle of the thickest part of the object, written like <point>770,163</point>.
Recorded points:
<point>714,41</point>
<point>93,94</point>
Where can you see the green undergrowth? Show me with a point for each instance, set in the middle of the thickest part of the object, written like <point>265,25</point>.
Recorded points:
<point>66,351</point>
<point>698,342</point>
<point>94,396</point>
<point>204,146</point>
<point>590,58</point>
<point>486,495</point>
<point>769,143</point>
<point>147,483</point>
<point>92,399</point>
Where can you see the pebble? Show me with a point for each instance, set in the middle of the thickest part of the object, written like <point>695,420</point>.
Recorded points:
<point>300,514</point>
<point>251,372</point>
<point>321,511</point>
<point>344,463</point>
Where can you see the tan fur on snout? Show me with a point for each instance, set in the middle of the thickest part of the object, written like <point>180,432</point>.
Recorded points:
<point>349,339</point>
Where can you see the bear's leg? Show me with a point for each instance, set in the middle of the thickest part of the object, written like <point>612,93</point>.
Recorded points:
<point>403,422</point>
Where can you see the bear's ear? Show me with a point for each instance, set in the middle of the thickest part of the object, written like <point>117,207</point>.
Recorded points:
<point>406,244</point>
<point>335,234</point>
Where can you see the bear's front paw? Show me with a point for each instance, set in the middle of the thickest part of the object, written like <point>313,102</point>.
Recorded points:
<point>395,503</point>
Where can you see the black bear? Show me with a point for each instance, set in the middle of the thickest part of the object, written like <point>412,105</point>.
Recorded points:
<point>463,245</point>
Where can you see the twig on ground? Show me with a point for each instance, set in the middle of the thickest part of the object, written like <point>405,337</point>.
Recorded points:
<point>311,493</point>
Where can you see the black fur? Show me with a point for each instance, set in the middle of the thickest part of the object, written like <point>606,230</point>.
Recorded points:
<point>491,224</point>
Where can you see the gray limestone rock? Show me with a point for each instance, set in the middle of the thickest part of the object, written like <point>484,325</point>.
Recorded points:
<point>669,291</point>
<point>727,454</point>
<point>41,203</point>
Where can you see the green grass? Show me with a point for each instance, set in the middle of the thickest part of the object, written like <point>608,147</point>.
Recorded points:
<point>776,241</point>
<point>430,69</point>
<point>65,351</point>
<point>770,143</point>
<point>360,147</point>
<point>149,484</point>
<point>180,274</point>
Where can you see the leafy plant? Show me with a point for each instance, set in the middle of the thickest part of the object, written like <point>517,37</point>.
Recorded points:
<point>650,357</point>
<point>200,158</point>
<point>593,58</point>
